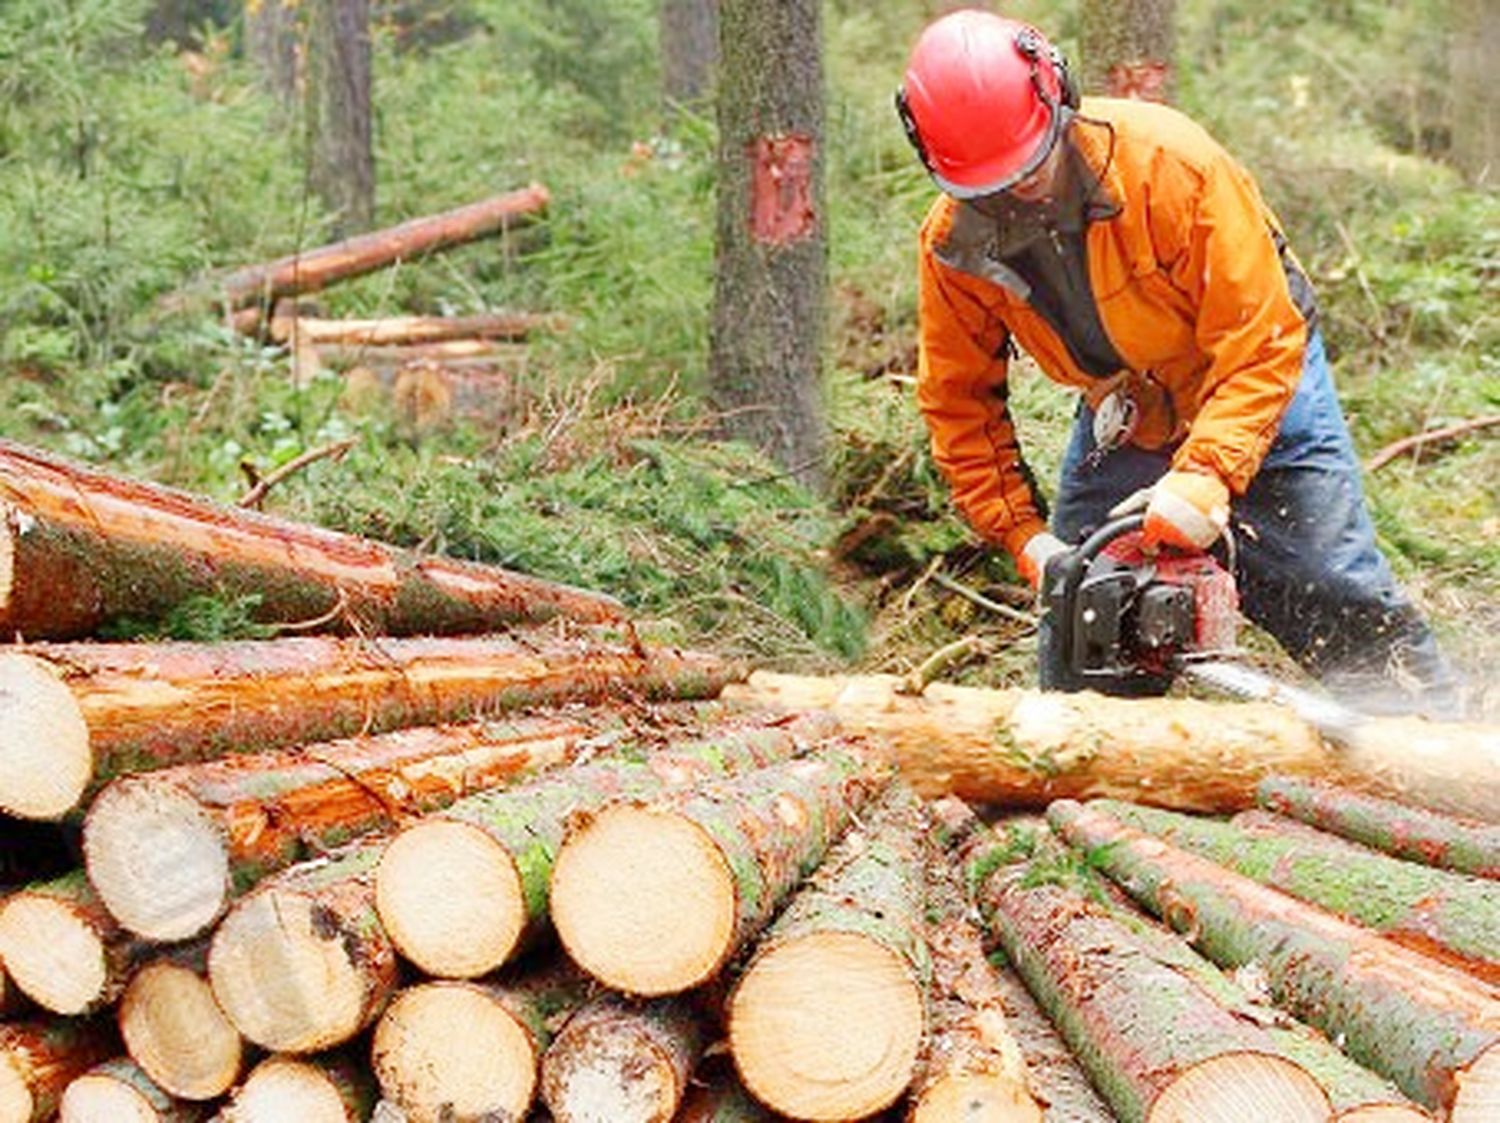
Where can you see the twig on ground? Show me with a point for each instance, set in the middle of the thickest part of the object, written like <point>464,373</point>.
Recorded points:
<point>257,493</point>
<point>1416,441</point>
<point>1027,618</point>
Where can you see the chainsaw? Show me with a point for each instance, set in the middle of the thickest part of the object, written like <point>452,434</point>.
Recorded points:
<point>1120,621</point>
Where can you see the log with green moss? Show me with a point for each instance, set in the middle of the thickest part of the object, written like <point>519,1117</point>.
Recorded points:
<point>1433,1030</point>
<point>828,1018</point>
<point>1413,833</point>
<point>118,1091</point>
<point>462,890</point>
<point>1447,916</point>
<point>723,1101</point>
<point>653,895</point>
<point>73,716</point>
<point>1052,1071</point>
<point>39,1059</point>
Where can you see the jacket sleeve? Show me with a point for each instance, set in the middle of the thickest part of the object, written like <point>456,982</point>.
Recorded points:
<point>1247,325</point>
<point>961,390</point>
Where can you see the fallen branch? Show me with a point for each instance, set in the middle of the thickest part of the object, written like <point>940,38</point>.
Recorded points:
<point>333,450</point>
<point>1416,441</point>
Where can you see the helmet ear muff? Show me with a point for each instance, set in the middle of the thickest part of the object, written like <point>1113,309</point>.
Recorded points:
<point>1035,50</point>
<point>909,123</point>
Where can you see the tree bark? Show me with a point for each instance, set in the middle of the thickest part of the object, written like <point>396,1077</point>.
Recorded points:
<point>972,1061</point>
<point>461,891</point>
<point>1474,55</point>
<point>81,549</point>
<point>119,1090</point>
<point>765,359</point>
<point>689,44</point>
<point>400,330</point>
<point>271,40</point>
<point>310,270</point>
<point>1129,48</point>
<point>174,1028</point>
<point>339,114</point>
<point>301,964</point>
<point>1450,918</point>
<point>38,1059</point>
<point>458,354</point>
<point>1411,833</point>
<point>628,1062</point>
<point>167,850</point>
<point>331,1088</point>
<point>848,951</point>
<point>1433,1030</point>
<point>695,874</point>
<point>1025,748</point>
<point>1052,1070</point>
<point>76,714</point>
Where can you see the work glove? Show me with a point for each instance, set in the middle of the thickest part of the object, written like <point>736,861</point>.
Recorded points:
<point>1032,560</point>
<point>1184,510</point>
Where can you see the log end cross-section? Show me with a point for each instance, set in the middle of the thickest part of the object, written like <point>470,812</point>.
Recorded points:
<point>54,952</point>
<point>45,755</point>
<point>174,1029</point>
<point>282,1089</point>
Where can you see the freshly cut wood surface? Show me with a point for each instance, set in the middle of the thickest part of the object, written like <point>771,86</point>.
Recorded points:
<point>1450,917</point>
<point>828,1019</point>
<point>1412,833</point>
<point>1024,748</point>
<point>460,891</point>
<point>61,948</point>
<point>174,1028</point>
<point>332,1088</point>
<point>1433,1030</point>
<point>38,1059</point>
<point>622,1061</point>
<point>301,964</point>
<point>118,1091</point>
<point>45,755</point>
<point>1051,1069</point>
<point>654,897</point>
<point>81,547</point>
<point>167,849</point>
<point>148,706</point>
<point>397,330</point>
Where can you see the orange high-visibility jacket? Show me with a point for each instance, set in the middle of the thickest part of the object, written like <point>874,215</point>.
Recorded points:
<point>1190,288</point>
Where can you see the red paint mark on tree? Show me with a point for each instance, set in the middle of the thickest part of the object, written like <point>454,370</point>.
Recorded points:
<point>781,195</point>
<point>1144,81</point>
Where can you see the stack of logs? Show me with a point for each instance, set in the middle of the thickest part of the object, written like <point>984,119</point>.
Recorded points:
<point>536,868</point>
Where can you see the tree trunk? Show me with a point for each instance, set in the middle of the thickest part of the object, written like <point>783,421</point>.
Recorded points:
<point>461,891</point>
<point>1433,1030</point>
<point>174,1028</point>
<point>628,1062</point>
<point>38,1059</point>
<point>81,549</point>
<point>331,1088</point>
<point>1129,48</point>
<point>489,1071</point>
<point>166,850</point>
<point>693,875</point>
<point>311,270</point>
<point>61,948</point>
<point>769,295</point>
<point>69,712</point>
<point>689,44</point>
<point>271,41</point>
<point>1411,833</point>
<point>301,964</point>
<point>1474,56</point>
<point>849,951</point>
<point>398,330</point>
<point>341,154</point>
<point>1052,1070</point>
<point>972,1063</point>
<point>1025,748</point>
<point>118,1090</point>
<point>1447,917</point>
<point>458,354</point>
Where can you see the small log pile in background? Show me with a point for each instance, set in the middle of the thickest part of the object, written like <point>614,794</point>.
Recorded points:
<point>548,871</point>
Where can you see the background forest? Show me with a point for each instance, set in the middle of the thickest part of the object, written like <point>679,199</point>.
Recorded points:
<point>139,148</point>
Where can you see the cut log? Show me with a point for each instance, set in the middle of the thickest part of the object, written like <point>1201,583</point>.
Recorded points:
<point>973,1069</point>
<point>174,1028</point>
<point>311,270</point>
<point>426,395</point>
<point>1024,748</point>
<point>653,897</point>
<point>81,548</point>
<point>488,1071</point>
<point>1413,833</point>
<point>1052,1071</point>
<point>618,1061</point>
<point>301,964</point>
<point>828,1019</point>
<point>454,353</point>
<point>1433,1030</point>
<point>167,849</point>
<point>39,1059</point>
<point>405,330</point>
<point>332,1088</point>
<point>1446,916</point>
<point>119,1092</point>
<point>147,706</point>
<point>461,891</point>
<point>61,947</point>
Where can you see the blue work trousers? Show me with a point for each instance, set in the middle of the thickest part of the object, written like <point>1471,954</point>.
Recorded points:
<point>1309,570</point>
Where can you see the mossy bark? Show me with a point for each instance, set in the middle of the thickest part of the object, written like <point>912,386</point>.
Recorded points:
<point>46,1056</point>
<point>1052,1070</point>
<point>1417,1022</point>
<point>1413,833</point>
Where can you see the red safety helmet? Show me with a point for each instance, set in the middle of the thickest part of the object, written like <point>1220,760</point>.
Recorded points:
<point>982,101</point>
